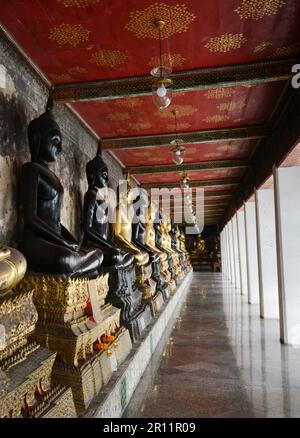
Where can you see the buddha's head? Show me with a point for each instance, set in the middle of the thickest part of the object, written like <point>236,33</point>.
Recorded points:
<point>44,137</point>
<point>97,172</point>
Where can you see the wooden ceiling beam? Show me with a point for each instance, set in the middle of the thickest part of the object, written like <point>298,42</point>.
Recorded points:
<point>201,166</point>
<point>192,137</point>
<point>208,183</point>
<point>198,79</point>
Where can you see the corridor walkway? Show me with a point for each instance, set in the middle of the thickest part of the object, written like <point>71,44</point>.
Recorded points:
<point>220,360</point>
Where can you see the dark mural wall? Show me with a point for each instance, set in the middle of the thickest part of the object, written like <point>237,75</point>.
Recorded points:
<point>23,98</point>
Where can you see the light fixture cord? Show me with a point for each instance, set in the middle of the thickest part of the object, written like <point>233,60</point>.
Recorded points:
<point>160,51</point>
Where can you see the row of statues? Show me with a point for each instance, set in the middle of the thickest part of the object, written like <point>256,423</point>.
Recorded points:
<point>89,301</point>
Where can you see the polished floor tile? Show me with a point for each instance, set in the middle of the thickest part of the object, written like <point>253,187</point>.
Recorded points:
<point>219,359</point>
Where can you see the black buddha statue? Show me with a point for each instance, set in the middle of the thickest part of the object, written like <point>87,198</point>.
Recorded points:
<point>47,245</point>
<point>95,223</point>
<point>123,292</point>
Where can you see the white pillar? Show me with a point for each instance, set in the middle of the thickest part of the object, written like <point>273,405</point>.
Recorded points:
<point>251,248</point>
<point>236,253</point>
<point>232,266</point>
<point>287,214</point>
<point>242,251</point>
<point>266,253</point>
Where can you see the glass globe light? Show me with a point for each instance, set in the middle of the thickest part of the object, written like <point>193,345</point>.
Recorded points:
<point>162,93</point>
<point>177,158</point>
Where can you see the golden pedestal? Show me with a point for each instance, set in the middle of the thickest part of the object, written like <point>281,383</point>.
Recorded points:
<point>26,367</point>
<point>75,322</point>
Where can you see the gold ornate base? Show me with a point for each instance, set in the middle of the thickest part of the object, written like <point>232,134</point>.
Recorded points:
<point>88,378</point>
<point>28,387</point>
<point>72,314</point>
<point>26,367</point>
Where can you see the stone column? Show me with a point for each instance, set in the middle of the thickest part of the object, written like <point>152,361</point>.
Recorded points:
<point>242,250</point>
<point>287,215</point>
<point>236,256</point>
<point>266,253</point>
<point>251,249</point>
<point>231,252</point>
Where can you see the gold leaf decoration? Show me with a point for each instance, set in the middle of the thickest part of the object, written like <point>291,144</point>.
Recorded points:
<point>129,103</point>
<point>230,106</point>
<point>140,126</point>
<point>69,34</point>
<point>78,3</point>
<point>262,47</point>
<point>168,60</point>
<point>183,111</point>
<point>216,118</point>
<point>180,126</point>
<point>286,51</point>
<point>118,116</point>
<point>226,43</point>
<point>64,77</point>
<point>177,20</point>
<point>77,70</point>
<point>258,9</point>
<point>108,58</point>
<point>219,93</point>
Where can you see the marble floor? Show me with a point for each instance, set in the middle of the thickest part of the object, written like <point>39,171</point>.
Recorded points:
<point>219,359</point>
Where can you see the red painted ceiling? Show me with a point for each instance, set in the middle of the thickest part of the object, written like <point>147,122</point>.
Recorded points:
<point>87,40</point>
<point>194,153</point>
<point>79,40</point>
<point>198,110</point>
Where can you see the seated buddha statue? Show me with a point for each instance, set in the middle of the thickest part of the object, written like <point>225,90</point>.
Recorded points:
<point>174,237</point>
<point>123,227</point>
<point>139,228</point>
<point>166,238</point>
<point>95,221</point>
<point>47,245</point>
<point>151,232</point>
<point>12,268</point>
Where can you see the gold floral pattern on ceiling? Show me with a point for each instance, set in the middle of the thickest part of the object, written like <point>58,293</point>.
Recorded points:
<point>77,70</point>
<point>177,20</point>
<point>78,3</point>
<point>140,126</point>
<point>231,106</point>
<point>129,103</point>
<point>180,126</point>
<point>262,47</point>
<point>168,60</point>
<point>69,34</point>
<point>258,9</point>
<point>64,77</point>
<point>108,58</point>
<point>219,93</point>
<point>118,116</point>
<point>216,118</point>
<point>183,111</point>
<point>281,52</point>
<point>225,43</point>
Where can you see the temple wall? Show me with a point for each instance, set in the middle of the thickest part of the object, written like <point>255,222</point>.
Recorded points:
<point>22,99</point>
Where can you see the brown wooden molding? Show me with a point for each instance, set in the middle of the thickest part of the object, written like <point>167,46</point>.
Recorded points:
<point>193,137</point>
<point>198,79</point>
<point>203,165</point>
<point>208,183</point>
